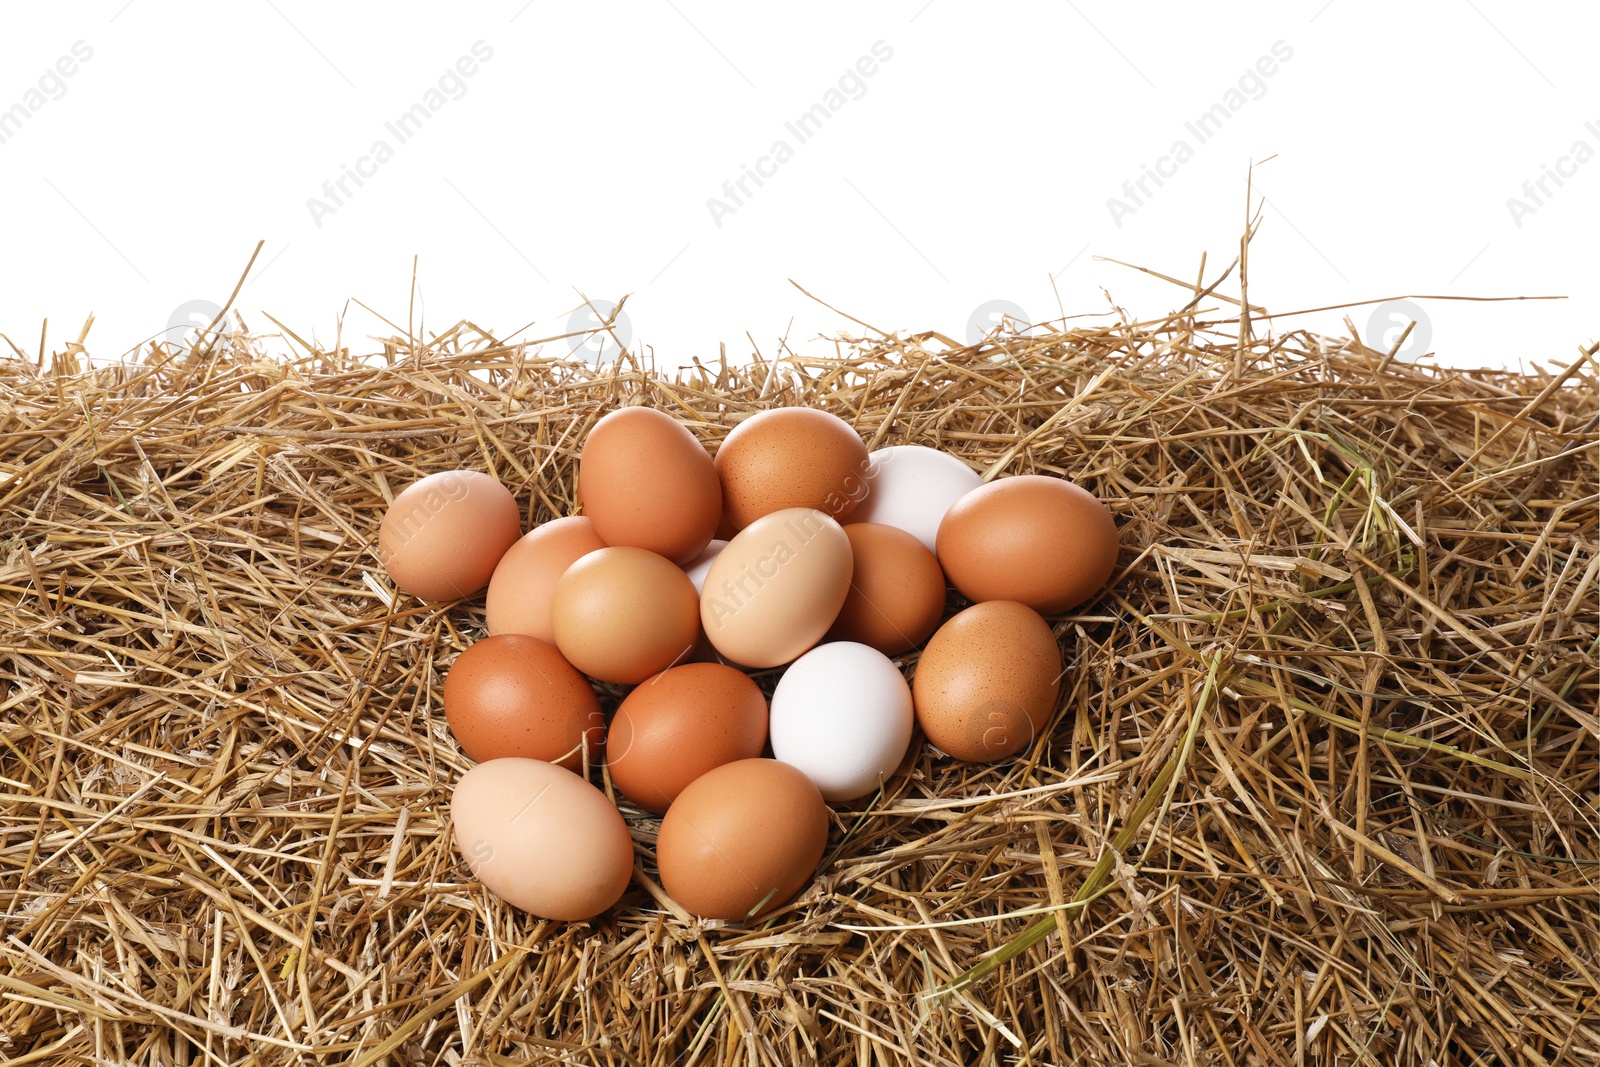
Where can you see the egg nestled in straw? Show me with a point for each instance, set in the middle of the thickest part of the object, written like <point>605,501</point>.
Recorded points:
<point>842,715</point>
<point>742,839</point>
<point>1040,541</point>
<point>986,684</point>
<point>647,482</point>
<point>791,458</point>
<point>514,695</point>
<point>680,724</point>
<point>541,838</point>
<point>443,536</point>
<point>518,601</point>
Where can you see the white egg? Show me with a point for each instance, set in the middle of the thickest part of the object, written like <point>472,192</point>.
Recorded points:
<point>842,714</point>
<point>701,565</point>
<point>911,487</point>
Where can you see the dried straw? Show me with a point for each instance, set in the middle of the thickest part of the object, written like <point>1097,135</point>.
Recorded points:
<point>1322,788</point>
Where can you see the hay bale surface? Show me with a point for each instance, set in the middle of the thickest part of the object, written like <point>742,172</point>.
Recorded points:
<point>1322,784</point>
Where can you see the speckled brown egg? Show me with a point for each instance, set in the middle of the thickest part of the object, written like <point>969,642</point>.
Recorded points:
<point>680,724</point>
<point>1040,541</point>
<point>443,536</point>
<point>647,482</point>
<point>987,681</point>
<point>896,593</point>
<point>623,614</point>
<point>518,601</point>
<point>791,458</point>
<point>514,695</point>
<point>742,839</point>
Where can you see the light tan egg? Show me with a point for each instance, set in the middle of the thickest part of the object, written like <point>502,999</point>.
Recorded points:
<point>541,838</point>
<point>775,589</point>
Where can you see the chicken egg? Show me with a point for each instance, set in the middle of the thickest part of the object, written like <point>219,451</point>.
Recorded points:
<point>742,839</point>
<point>1040,541</point>
<point>790,458</point>
<point>518,601</point>
<point>986,684</point>
<point>678,725</point>
<point>911,487</point>
<point>514,695</point>
<point>777,587</point>
<point>841,713</point>
<point>623,614</point>
<point>541,838</point>
<point>647,482</point>
<point>896,593</point>
<point>700,566</point>
<point>442,537</point>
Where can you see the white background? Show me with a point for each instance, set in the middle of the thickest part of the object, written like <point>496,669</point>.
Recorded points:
<point>976,165</point>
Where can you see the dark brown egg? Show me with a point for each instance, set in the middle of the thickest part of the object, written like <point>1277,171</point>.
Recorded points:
<point>678,725</point>
<point>514,695</point>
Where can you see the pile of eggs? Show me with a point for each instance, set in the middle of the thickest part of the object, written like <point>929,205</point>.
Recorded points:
<point>793,548</point>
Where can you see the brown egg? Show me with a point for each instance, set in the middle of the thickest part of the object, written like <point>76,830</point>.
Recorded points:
<point>541,838</point>
<point>896,590</point>
<point>623,614</point>
<point>442,537</point>
<point>742,839</point>
<point>775,589</point>
<point>986,684</point>
<point>680,724</point>
<point>1040,541</point>
<point>647,482</point>
<point>518,601</point>
<point>514,695</point>
<point>791,458</point>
